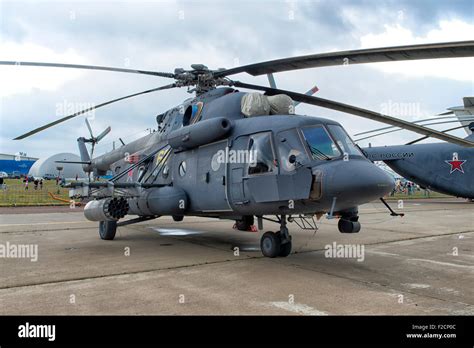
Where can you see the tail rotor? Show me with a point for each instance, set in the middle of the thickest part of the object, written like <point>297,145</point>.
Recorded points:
<point>93,140</point>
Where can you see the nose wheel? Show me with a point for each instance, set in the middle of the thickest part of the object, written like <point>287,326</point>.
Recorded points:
<point>275,244</point>
<point>348,226</point>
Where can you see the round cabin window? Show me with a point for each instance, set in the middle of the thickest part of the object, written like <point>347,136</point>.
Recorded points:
<point>216,162</point>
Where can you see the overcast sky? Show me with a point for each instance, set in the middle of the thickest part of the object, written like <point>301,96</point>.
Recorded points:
<point>163,35</point>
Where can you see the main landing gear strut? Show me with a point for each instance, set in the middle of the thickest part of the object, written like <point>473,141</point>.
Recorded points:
<point>275,244</point>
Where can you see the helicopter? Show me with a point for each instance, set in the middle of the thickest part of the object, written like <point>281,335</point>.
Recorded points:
<point>237,155</point>
<point>447,168</point>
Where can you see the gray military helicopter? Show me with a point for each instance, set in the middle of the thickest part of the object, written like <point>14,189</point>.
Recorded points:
<point>294,167</point>
<point>441,167</point>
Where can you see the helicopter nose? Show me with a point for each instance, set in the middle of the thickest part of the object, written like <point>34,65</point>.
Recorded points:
<point>355,181</point>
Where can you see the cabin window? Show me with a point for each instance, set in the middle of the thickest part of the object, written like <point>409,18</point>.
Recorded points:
<point>216,162</point>
<point>319,143</point>
<point>141,173</point>
<point>159,121</point>
<point>166,171</point>
<point>260,155</point>
<point>182,169</point>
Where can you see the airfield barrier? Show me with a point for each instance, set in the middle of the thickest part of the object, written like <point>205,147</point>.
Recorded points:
<point>17,195</point>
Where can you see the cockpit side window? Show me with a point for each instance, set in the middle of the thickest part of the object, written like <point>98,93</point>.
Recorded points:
<point>343,140</point>
<point>261,156</point>
<point>319,143</point>
<point>289,144</point>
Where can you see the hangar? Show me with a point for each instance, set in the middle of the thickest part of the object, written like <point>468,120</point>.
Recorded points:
<point>16,164</point>
<point>48,168</point>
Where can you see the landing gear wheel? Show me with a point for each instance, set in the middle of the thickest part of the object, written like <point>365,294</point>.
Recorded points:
<point>245,224</point>
<point>270,244</point>
<point>107,229</point>
<point>347,226</point>
<point>285,249</point>
<point>178,218</point>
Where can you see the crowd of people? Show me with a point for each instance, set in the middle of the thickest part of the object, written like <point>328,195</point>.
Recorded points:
<point>408,188</point>
<point>37,183</point>
<point>29,180</point>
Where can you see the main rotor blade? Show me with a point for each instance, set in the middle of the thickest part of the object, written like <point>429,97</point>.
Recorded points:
<point>399,129</point>
<point>88,67</point>
<point>39,129</point>
<point>426,137</point>
<point>370,55</point>
<point>372,115</point>
<point>417,121</point>
<point>74,162</point>
<point>446,113</point>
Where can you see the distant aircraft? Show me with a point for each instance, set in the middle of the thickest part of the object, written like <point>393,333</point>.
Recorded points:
<point>441,167</point>
<point>463,112</point>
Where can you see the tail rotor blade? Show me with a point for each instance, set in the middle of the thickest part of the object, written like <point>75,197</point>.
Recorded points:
<point>103,134</point>
<point>90,128</point>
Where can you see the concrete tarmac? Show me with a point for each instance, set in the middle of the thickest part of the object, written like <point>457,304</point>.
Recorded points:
<point>422,263</point>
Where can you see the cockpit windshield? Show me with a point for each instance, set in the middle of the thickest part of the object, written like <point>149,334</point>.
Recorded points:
<point>320,143</point>
<point>342,139</point>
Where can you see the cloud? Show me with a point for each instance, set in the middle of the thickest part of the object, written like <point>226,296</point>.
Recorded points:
<point>397,35</point>
<point>164,35</point>
<point>20,79</point>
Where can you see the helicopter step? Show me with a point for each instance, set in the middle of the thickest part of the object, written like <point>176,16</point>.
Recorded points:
<point>273,244</point>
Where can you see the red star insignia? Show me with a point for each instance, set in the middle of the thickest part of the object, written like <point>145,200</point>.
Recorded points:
<point>456,165</point>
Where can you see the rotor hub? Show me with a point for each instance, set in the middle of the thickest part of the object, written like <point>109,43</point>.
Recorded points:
<point>200,77</point>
